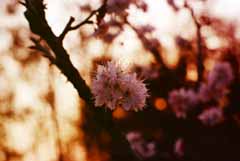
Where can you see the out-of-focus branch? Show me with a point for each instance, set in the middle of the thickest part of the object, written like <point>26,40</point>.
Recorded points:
<point>45,52</point>
<point>173,76</point>
<point>58,137</point>
<point>173,5</point>
<point>150,47</point>
<point>200,66</point>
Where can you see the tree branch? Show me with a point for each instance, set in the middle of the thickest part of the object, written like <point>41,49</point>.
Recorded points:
<point>36,17</point>
<point>66,29</point>
<point>95,121</point>
<point>146,43</point>
<point>200,67</point>
<point>44,50</point>
<point>87,20</point>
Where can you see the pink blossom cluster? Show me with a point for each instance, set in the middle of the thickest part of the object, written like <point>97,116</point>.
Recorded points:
<point>142,148</point>
<point>211,116</point>
<point>182,101</point>
<point>113,87</point>
<point>217,82</point>
<point>221,75</point>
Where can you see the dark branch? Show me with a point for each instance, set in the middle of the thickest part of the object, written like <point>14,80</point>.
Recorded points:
<point>22,3</point>
<point>36,17</point>
<point>66,29</point>
<point>94,121</point>
<point>87,20</point>
<point>41,48</point>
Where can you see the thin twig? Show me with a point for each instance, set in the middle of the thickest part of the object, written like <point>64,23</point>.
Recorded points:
<point>200,66</point>
<point>66,29</point>
<point>46,53</point>
<point>87,20</point>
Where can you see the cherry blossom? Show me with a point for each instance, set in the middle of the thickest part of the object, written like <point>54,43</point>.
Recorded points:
<point>220,76</point>
<point>211,116</point>
<point>179,147</point>
<point>182,101</point>
<point>113,87</point>
<point>141,147</point>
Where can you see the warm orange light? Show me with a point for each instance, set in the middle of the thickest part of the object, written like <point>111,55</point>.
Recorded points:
<point>192,74</point>
<point>171,58</point>
<point>160,104</point>
<point>95,154</point>
<point>209,63</point>
<point>77,152</point>
<point>119,113</point>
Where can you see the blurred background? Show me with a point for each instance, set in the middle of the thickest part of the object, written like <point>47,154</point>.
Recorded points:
<point>40,111</point>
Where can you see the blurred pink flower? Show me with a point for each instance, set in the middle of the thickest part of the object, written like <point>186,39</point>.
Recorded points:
<point>112,87</point>
<point>207,92</point>
<point>182,101</point>
<point>133,136</point>
<point>217,82</point>
<point>211,116</point>
<point>142,148</point>
<point>179,147</point>
<point>220,76</point>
